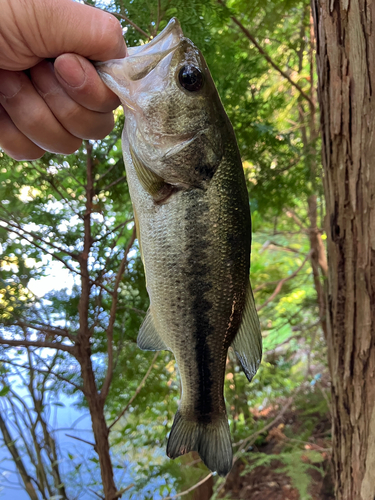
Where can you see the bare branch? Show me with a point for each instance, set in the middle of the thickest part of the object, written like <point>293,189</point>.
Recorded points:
<point>112,317</point>
<point>270,244</point>
<point>117,181</point>
<point>93,491</point>
<point>119,226</point>
<point>46,251</point>
<point>261,51</point>
<point>107,172</point>
<point>125,18</point>
<point>51,181</point>
<point>290,213</point>
<point>11,445</point>
<point>119,493</point>
<point>15,225</point>
<point>186,492</point>
<point>38,343</point>
<point>281,283</point>
<point>137,28</point>
<point>46,329</point>
<point>83,441</point>
<point>26,367</point>
<point>136,392</point>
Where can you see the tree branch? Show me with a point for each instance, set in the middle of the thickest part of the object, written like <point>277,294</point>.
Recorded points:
<point>119,493</point>
<point>190,489</point>
<point>296,219</point>
<point>271,243</point>
<point>38,343</point>
<point>117,181</point>
<point>136,392</point>
<point>83,441</point>
<point>11,445</point>
<point>50,180</point>
<point>125,18</point>
<point>137,28</point>
<point>46,329</point>
<point>281,283</point>
<point>248,35</point>
<point>119,226</point>
<point>26,367</point>
<point>36,236</point>
<point>244,443</point>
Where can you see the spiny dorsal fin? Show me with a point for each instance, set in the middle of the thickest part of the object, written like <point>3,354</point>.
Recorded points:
<point>247,343</point>
<point>148,338</point>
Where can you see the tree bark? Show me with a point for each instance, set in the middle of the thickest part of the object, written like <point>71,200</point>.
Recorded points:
<point>346,70</point>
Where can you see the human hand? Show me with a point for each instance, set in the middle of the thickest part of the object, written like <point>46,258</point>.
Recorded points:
<point>54,106</point>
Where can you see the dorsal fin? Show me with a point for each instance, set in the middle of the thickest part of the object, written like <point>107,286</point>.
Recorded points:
<point>247,343</point>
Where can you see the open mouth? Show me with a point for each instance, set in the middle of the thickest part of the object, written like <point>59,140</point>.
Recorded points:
<point>119,73</point>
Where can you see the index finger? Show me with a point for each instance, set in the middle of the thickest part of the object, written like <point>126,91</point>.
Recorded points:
<point>46,29</point>
<point>82,83</point>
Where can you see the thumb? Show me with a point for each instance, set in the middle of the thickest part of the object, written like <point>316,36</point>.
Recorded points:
<point>48,28</point>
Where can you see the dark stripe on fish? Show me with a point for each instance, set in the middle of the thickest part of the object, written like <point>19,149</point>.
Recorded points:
<point>197,223</point>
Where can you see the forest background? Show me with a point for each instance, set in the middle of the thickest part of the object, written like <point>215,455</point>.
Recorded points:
<point>77,344</point>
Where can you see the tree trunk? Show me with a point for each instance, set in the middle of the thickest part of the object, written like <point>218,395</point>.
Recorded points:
<point>346,69</point>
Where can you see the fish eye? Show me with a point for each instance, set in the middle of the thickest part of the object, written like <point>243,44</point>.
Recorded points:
<point>190,78</point>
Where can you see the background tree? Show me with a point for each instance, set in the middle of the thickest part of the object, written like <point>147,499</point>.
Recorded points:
<point>346,77</point>
<point>76,211</point>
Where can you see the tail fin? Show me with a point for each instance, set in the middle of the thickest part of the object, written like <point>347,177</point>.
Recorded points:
<point>211,441</point>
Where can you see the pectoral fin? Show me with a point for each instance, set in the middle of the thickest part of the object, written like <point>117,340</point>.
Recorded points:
<point>247,344</point>
<point>150,181</point>
<point>148,337</point>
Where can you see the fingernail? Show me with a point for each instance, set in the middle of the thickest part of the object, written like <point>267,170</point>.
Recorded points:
<point>71,71</point>
<point>10,84</point>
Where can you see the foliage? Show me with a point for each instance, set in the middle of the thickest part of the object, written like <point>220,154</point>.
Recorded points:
<point>296,465</point>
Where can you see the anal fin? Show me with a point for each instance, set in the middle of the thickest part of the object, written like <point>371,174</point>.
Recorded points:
<point>247,343</point>
<point>148,338</point>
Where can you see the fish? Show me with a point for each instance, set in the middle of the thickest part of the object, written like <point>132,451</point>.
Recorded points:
<point>192,214</point>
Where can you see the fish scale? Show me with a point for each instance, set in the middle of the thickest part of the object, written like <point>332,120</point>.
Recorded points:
<point>192,213</point>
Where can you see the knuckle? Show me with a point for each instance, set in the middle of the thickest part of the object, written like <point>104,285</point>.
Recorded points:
<point>35,120</point>
<point>104,129</point>
<point>115,26</point>
<point>25,153</point>
<point>70,148</point>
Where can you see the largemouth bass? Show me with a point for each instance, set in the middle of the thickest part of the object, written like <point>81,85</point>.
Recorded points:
<point>192,214</point>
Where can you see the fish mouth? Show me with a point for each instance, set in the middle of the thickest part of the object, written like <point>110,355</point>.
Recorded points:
<point>120,74</point>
